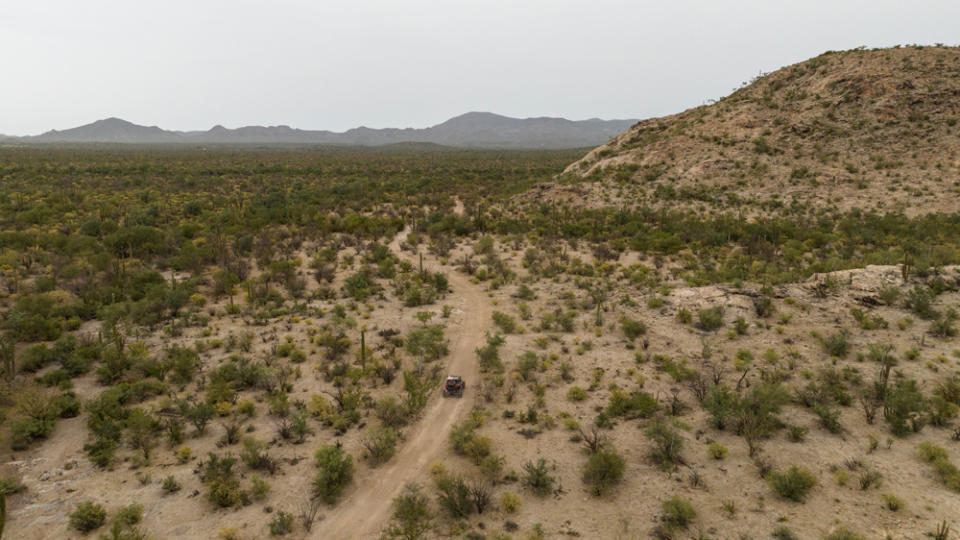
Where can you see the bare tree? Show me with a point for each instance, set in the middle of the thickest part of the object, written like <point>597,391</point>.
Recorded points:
<point>309,512</point>
<point>593,441</point>
<point>480,494</point>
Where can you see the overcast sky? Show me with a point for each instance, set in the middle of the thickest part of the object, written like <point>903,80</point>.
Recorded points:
<point>327,64</point>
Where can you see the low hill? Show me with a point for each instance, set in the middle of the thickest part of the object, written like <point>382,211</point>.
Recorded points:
<point>475,129</point>
<point>110,130</point>
<point>865,129</point>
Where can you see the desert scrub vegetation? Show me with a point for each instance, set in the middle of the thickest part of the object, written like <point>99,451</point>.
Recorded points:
<point>335,472</point>
<point>604,469</point>
<point>87,516</point>
<point>794,484</point>
<point>939,460</point>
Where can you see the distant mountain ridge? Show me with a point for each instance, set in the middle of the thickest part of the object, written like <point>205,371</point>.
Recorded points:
<point>474,129</point>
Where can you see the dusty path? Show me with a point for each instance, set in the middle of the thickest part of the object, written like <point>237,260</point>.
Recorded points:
<point>365,512</point>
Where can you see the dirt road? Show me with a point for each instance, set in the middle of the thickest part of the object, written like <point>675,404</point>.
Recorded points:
<point>365,512</point>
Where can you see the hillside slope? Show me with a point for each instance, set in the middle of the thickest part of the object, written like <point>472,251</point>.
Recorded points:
<point>868,129</point>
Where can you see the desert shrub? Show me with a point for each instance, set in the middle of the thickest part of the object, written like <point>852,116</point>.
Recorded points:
<point>526,365</point>
<point>757,416</point>
<point>256,455</point>
<point>837,344</point>
<point>170,484</point>
<point>390,412</point>
<point>829,419</point>
<point>667,443</point>
<point>478,448</point>
<point>604,469</point>
<point>183,362</point>
<point>87,516</point>
<point>259,488</point>
<point>509,502</point>
<point>637,404</point>
<point>947,472</point>
<point>904,407</point>
<point>892,502</point>
<point>710,319</point>
<point>576,393</point>
<point>222,483</point>
<point>677,513</point>
<point>722,404</point>
<point>920,301</point>
<point>454,497</point>
<point>359,286</point>
<point>129,515</point>
<point>198,413</point>
<point>427,343</point>
<point>101,451</point>
<point>843,533</point>
<point>797,433</point>
<point>717,450</point>
<point>489,355</point>
<point>281,524</point>
<point>794,484</point>
<point>506,323</point>
<point>537,477</point>
<point>381,444</point>
<point>784,533</point>
<point>632,329</point>
<point>944,326</point>
<point>463,435</point>
<point>412,518</point>
<point>336,472</point>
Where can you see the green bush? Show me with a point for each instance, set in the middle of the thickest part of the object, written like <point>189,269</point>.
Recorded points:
<point>411,514</point>
<point>170,485</point>
<point>87,517</point>
<point>717,450</point>
<point>505,322</point>
<point>667,443</point>
<point>904,408</point>
<point>259,488</point>
<point>281,524</point>
<point>381,444</point>
<point>637,404</point>
<point>576,393</point>
<point>454,497</point>
<point>604,469</point>
<point>722,404</point>
<point>844,533</point>
<point>784,533</point>
<point>677,512</point>
<point>710,319</point>
<point>537,477</point>
<point>632,329</point>
<point>336,472</point>
<point>222,483</point>
<point>129,515</point>
<point>947,472</point>
<point>837,344</point>
<point>509,502</point>
<point>794,484</point>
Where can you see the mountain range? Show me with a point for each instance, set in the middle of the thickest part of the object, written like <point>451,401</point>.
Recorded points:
<point>474,129</point>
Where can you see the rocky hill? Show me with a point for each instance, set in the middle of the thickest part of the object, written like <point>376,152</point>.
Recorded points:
<point>867,129</point>
<point>109,130</point>
<point>475,129</point>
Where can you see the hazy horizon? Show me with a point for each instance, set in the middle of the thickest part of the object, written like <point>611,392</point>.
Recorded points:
<point>337,65</point>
